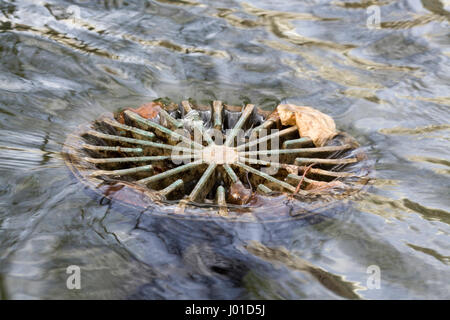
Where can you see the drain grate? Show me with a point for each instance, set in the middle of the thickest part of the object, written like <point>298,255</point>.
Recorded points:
<point>223,157</point>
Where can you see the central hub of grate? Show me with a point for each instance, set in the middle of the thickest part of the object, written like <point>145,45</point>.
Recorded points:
<point>222,157</point>
<point>219,154</point>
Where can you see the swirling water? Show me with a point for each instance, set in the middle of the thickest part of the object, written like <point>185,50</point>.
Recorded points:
<point>64,63</point>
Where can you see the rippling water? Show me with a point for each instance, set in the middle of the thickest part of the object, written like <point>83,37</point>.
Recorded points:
<point>63,63</point>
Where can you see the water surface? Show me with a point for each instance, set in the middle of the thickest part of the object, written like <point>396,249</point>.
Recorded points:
<point>64,63</point>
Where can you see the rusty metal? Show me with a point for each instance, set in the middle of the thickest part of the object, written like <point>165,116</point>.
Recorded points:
<point>159,161</point>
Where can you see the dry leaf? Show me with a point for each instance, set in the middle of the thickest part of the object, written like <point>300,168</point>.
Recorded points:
<point>148,111</point>
<point>311,123</point>
<point>274,116</point>
<point>322,185</point>
<point>239,194</point>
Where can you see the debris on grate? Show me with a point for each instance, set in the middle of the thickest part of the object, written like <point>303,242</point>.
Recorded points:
<point>224,159</point>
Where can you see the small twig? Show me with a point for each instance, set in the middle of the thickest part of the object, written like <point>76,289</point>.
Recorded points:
<point>303,177</point>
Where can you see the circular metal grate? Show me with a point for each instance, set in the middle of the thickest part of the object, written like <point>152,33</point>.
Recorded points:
<point>225,159</point>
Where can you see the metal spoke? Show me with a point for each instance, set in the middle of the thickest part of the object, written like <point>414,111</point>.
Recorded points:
<point>132,159</point>
<point>171,172</point>
<point>172,187</point>
<point>272,120</point>
<point>188,108</point>
<point>244,116</point>
<point>201,188</point>
<point>263,189</point>
<point>175,124</point>
<point>295,143</point>
<point>325,161</point>
<point>266,176</point>
<point>217,115</point>
<point>138,131</point>
<point>165,131</point>
<point>221,202</point>
<point>234,178</point>
<point>298,151</point>
<point>116,149</point>
<point>122,172</point>
<point>333,174</point>
<point>267,137</point>
<point>322,172</point>
<point>137,141</point>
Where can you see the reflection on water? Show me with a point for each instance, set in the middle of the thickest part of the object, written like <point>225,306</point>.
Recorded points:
<point>64,63</point>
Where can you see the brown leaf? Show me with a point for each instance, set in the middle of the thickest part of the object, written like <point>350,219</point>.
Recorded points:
<point>311,123</point>
<point>274,116</point>
<point>322,185</point>
<point>239,194</point>
<point>148,111</point>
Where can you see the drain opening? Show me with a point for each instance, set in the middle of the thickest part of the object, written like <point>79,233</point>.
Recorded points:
<point>219,156</point>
